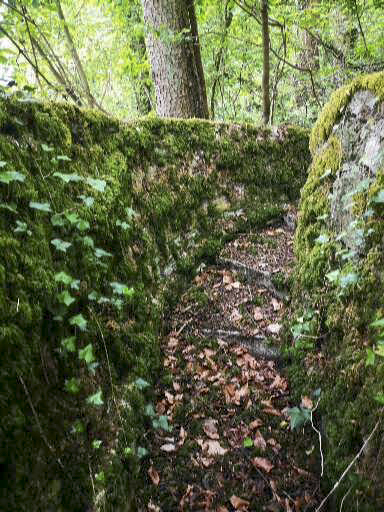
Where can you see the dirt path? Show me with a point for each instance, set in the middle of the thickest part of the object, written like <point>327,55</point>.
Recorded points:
<point>230,447</point>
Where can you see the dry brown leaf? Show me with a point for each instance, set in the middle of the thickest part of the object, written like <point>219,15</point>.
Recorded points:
<point>153,508</point>
<point>255,424</point>
<point>227,278</point>
<point>222,509</point>
<point>206,462</point>
<point>276,447</point>
<point>176,386</point>
<point>259,441</point>
<point>169,397</point>
<point>279,383</point>
<point>154,475</point>
<point>210,429</point>
<point>182,436</point>
<point>235,316</point>
<point>262,463</point>
<point>239,503</point>
<point>169,447</point>
<point>211,447</point>
<point>258,314</point>
<point>306,402</point>
<point>276,304</point>
<point>274,328</point>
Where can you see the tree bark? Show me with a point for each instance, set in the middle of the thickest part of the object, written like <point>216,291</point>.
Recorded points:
<point>266,65</point>
<point>175,62</point>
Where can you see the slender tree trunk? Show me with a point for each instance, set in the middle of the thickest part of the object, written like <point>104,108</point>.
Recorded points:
<point>177,75</point>
<point>266,66</point>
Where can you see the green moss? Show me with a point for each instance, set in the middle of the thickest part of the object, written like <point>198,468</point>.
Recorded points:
<point>339,99</point>
<point>336,364</point>
<point>156,220</point>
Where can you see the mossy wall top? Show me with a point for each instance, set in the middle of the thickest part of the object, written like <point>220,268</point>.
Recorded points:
<point>97,218</point>
<point>340,280</point>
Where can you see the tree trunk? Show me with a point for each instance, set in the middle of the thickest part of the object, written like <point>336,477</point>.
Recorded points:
<point>265,30</point>
<point>175,58</point>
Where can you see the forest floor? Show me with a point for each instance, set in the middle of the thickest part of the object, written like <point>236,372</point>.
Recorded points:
<point>230,446</point>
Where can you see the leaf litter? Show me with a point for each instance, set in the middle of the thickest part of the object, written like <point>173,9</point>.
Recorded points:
<point>218,394</point>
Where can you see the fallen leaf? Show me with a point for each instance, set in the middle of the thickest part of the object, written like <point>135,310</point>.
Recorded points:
<point>152,507</point>
<point>306,402</point>
<point>154,475</point>
<point>276,305</point>
<point>169,397</point>
<point>276,447</point>
<point>279,383</point>
<point>255,424</point>
<point>259,441</point>
<point>274,328</point>
<point>176,386</point>
<point>210,429</point>
<point>169,447</point>
<point>262,463</point>
<point>182,436</point>
<point>258,314</point>
<point>236,316</point>
<point>211,447</point>
<point>173,342</point>
<point>239,503</point>
<point>222,509</point>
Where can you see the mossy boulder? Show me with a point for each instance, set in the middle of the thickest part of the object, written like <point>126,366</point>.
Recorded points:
<point>339,287</point>
<point>101,225</point>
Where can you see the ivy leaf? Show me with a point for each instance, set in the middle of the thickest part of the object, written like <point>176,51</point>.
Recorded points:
<point>61,245</point>
<point>57,220</point>
<point>78,427</point>
<point>96,443</point>
<point>67,177</point>
<point>86,354</point>
<point>98,185</point>
<point>333,276</point>
<point>122,224</point>
<point>83,225</point>
<point>72,385</point>
<point>119,288</point>
<point>380,398</point>
<point>88,242</point>
<point>379,350</point>
<point>22,227</point>
<point>150,411</point>
<point>298,417</point>
<point>93,295</point>
<point>379,197</point>
<point>63,277</point>
<point>46,148</point>
<point>43,207</point>
<point>141,452</point>
<point>66,298</point>
<point>127,451</point>
<point>71,217</point>
<point>141,384</point>
<point>88,201</point>
<point>63,158</point>
<point>96,399</point>
<point>100,253</point>
<point>2,163</point>
<point>69,344</point>
<point>248,443</point>
<point>9,176</point>
<point>79,321</point>
<point>377,323</point>
<point>100,477</point>
<point>162,422</point>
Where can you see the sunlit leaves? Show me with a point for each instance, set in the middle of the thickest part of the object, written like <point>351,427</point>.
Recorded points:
<point>141,384</point>
<point>69,344</point>
<point>86,354</point>
<point>66,298</point>
<point>8,177</point>
<point>96,399</point>
<point>98,185</point>
<point>43,207</point>
<point>79,321</point>
<point>61,245</point>
<point>72,385</point>
<point>67,178</point>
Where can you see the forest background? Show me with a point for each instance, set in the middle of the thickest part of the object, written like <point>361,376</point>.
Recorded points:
<point>94,53</point>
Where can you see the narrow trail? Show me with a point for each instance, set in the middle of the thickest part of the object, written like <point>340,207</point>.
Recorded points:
<point>231,447</point>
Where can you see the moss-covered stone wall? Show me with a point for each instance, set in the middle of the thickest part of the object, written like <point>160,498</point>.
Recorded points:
<point>339,286</point>
<point>101,223</point>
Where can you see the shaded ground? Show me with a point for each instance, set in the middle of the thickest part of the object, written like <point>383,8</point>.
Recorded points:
<point>230,447</point>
